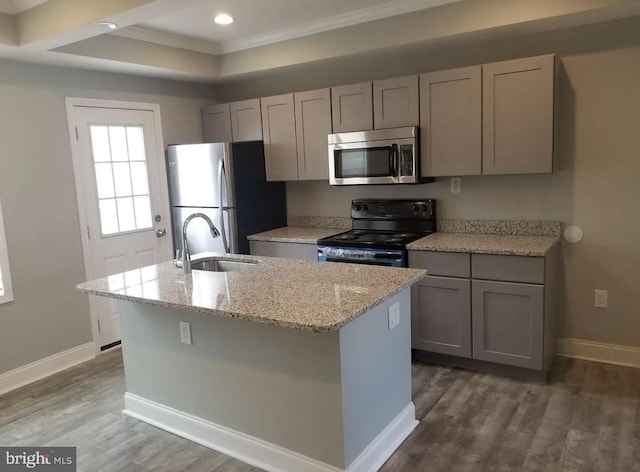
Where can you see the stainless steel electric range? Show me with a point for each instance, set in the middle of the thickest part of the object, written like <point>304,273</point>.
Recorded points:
<point>381,230</point>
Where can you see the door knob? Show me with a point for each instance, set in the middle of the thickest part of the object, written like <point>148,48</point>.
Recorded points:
<point>161,232</point>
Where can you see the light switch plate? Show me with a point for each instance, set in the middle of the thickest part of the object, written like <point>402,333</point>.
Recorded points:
<point>394,315</point>
<point>601,299</point>
<point>456,184</point>
<point>185,332</point>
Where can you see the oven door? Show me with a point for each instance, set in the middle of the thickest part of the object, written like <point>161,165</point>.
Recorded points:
<point>383,257</point>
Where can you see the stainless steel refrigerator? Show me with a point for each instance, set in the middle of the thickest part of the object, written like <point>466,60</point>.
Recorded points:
<point>226,182</point>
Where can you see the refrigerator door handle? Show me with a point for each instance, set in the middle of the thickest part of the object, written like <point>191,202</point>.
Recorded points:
<point>222,183</point>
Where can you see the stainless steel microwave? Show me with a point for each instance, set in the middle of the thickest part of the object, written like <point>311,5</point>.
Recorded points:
<point>383,156</point>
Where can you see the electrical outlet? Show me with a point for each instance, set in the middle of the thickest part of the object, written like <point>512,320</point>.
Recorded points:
<point>456,184</point>
<point>185,332</point>
<point>601,299</point>
<point>394,315</point>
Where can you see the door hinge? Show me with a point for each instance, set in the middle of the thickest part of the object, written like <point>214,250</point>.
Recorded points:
<point>88,233</point>
<point>99,328</point>
<point>77,133</point>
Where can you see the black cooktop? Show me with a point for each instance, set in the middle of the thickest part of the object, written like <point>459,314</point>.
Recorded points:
<point>372,239</point>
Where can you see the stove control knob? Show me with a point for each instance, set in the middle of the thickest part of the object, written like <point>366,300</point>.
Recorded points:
<point>416,207</point>
<point>357,207</point>
<point>424,207</point>
<point>365,207</point>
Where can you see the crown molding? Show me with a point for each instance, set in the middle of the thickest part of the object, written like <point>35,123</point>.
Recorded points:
<point>151,35</point>
<point>379,12</point>
<point>16,6</point>
<point>365,15</point>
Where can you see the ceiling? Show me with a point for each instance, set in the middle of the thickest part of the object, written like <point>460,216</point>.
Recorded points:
<point>178,39</point>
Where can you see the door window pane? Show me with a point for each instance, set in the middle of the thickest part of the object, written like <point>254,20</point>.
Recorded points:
<point>118,141</point>
<point>126,216</point>
<point>120,169</point>
<point>135,140</point>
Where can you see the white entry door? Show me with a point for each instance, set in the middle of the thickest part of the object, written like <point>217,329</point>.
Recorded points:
<point>122,196</point>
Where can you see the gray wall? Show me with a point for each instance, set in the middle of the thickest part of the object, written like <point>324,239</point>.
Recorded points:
<point>38,196</point>
<point>596,182</point>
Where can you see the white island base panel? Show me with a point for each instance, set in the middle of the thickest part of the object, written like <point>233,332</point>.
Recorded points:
<point>259,453</point>
<point>277,398</point>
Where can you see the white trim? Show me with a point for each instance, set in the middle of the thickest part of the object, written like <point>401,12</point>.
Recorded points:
<point>5,269</point>
<point>260,453</point>
<point>599,352</point>
<point>71,103</point>
<point>45,367</point>
<point>154,36</point>
<point>384,445</point>
<point>323,25</point>
<point>378,12</point>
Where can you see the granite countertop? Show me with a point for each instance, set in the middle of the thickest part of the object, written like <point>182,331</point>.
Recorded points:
<point>292,234</point>
<point>292,293</point>
<point>499,244</point>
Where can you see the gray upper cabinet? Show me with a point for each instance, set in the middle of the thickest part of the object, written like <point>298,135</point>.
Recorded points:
<point>216,123</point>
<point>451,122</point>
<point>508,323</point>
<point>246,123</point>
<point>396,102</point>
<point>518,117</point>
<point>352,107</point>
<point>279,128</point>
<point>313,124</point>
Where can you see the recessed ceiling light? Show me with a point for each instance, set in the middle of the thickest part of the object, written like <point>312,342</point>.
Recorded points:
<point>223,19</point>
<point>108,24</point>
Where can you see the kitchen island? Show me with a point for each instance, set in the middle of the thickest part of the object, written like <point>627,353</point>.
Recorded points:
<point>294,365</point>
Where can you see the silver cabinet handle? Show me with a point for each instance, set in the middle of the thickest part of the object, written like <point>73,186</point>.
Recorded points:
<point>161,232</point>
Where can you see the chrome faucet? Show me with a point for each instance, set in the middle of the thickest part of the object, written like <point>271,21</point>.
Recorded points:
<point>186,255</point>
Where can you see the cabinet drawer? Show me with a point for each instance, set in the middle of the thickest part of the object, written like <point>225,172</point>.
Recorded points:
<point>508,268</point>
<point>448,264</point>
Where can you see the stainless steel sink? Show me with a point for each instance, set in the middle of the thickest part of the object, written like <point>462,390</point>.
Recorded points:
<point>213,264</point>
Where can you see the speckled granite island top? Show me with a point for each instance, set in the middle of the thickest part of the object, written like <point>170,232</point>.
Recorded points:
<point>305,295</point>
<point>499,244</point>
<point>292,234</point>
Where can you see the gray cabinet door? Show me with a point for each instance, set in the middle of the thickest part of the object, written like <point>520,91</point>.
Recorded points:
<point>396,103</point>
<point>441,316</point>
<point>507,320</point>
<point>216,123</point>
<point>246,122</point>
<point>313,125</point>
<point>518,117</point>
<point>279,128</point>
<point>451,122</point>
<point>352,108</point>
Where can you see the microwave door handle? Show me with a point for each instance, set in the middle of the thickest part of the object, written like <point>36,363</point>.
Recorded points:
<point>394,160</point>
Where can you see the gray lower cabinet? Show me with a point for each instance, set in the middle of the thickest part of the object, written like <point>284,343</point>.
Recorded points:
<point>441,315</point>
<point>286,250</point>
<point>507,320</point>
<point>493,308</point>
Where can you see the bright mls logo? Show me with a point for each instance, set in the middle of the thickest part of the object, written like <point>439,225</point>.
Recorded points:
<point>50,459</point>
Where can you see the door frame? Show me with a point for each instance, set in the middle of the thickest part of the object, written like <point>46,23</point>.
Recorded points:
<point>71,103</point>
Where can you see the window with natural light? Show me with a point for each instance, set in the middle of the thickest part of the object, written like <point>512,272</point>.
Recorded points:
<point>6,292</point>
<point>119,161</point>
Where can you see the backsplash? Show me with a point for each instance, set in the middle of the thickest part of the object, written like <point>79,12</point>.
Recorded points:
<point>319,222</point>
<point>514,227</point>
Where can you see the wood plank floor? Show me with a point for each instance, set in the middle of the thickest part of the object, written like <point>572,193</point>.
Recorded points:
<point>587,418</point>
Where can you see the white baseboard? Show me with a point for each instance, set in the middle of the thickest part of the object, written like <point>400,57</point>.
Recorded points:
<point>599,352</point>
<point>259,453</point>
<point>385,444</point>
<point>29,373</point>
